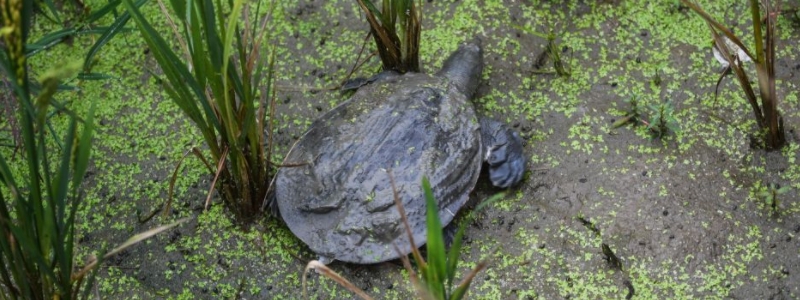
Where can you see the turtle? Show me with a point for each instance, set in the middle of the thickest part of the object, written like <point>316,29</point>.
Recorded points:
<point>338,197</point>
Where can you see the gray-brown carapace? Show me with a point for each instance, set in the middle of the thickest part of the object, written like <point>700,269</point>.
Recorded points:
<point>339,200</point>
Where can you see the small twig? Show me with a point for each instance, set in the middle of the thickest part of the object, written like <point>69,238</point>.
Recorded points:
<point>358,64</point>
<point>149,216</point>
<point>403,216</point>
<point>327,272</point>
<point>287,88</point>
<point>220,166</point>
<point>724,72</point>
<point>290,165</point>
<point>175,32</point>
<point>171,193</point>
<point>130,242</point>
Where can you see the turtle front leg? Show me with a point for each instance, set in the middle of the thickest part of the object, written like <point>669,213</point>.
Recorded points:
<point>504,153</point>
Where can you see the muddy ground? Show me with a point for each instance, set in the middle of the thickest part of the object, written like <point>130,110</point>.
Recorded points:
<point>681,212</point>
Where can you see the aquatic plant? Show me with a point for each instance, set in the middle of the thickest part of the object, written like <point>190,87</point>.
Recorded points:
<point>223,87</point>
<point>770,195</point>
<point>39,201</point>
<point>662,120</point>
<point>632,115</point>
<point>765,111</point>
<point>396,31</point>
<point>552,53</point>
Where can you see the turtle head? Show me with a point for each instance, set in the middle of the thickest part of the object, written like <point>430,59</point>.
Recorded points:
<point>464,67</point>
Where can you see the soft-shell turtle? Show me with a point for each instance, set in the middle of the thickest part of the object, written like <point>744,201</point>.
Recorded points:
<point>339,200</point>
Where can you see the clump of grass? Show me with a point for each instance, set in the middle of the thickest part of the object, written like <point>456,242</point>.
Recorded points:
<point>437,273</point>
<point>223,87</point>
<point>436,278</point>
<point>765,111</point>
<point>656,80</point>
<point>552,53</point>
<point>770,195</point>
<point>37,211</point>
<point>395,27</point>
<point>662,120</point>
<point>633,115</point>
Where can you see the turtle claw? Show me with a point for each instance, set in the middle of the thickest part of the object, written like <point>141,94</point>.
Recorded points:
<point>504,153</point>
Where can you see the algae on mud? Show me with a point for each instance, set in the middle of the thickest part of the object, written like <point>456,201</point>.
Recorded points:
<point>682,213</point>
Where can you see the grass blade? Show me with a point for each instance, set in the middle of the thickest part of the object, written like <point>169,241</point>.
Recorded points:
<point>401,210</point>
<point>179,7</point>
<point>437,260</point>
<point>717,26</point>
<point>387,44</point>
<point>84,149</point>
<point>113,30</point>
<point>183,85</point>
<point>741,76</point>
<point>453,255</point>
<point>130,242</point>
<point>99,13</point>
<point>48,40</point>
<point>327,272</point>
<point>463,287</point>
<point>53,10</point>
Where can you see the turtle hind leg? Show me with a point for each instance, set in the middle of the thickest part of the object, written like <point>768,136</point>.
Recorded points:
<point>504,153</point>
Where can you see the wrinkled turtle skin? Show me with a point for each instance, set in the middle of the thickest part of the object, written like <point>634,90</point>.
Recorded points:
<point>339,200</point>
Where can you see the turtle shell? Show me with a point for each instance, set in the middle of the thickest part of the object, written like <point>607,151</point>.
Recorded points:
<point>339,200</point>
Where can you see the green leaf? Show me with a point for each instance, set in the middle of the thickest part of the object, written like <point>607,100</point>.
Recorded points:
<point>437,262</point>
<point>374,10</point>
<point>179,7</point>
<point>84,149</point>
<point>783,190</point>
<point>97,14</point>
<point>181,81</point>
<point>48,40</point>
<point>113,30</point>
<point>463,287</point>
<point>454,254</point>
<point>52,7</point>
<point>58,196</point>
